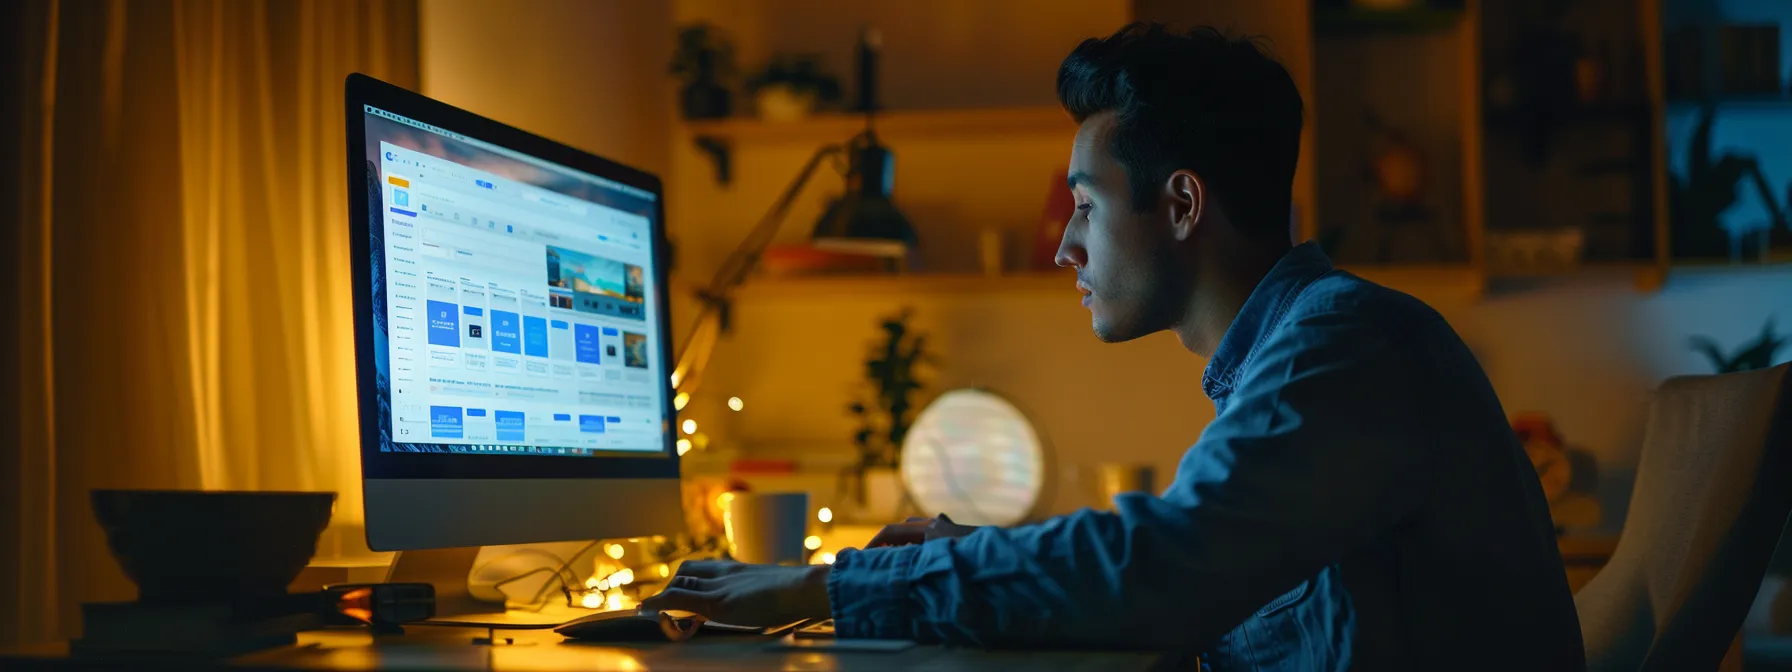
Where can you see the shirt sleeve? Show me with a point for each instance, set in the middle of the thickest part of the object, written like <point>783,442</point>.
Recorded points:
<point>1318,452</point>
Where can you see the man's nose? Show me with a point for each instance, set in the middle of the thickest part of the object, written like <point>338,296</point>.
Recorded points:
<point>1070,253</point>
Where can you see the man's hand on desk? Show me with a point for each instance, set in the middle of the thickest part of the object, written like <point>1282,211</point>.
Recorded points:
<point>918,530</point>
<point>742,594</point>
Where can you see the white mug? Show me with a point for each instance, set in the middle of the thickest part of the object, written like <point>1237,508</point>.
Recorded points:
<point>766,528</point>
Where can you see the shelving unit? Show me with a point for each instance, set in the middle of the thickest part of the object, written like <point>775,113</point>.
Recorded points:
<point>891,126</point>
<point>1415,278</point>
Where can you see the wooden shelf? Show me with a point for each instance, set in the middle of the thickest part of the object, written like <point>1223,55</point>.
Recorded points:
<point>1409,278</point>
<point>828,286</point>
<point>892,126</point>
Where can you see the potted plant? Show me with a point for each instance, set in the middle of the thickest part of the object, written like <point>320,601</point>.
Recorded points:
<point>704,59</point>
<point>885,414</point>
<point>791,87</point>
<point>1752,356</point>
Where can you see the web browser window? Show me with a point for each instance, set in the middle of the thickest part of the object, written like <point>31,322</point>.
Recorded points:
<point>513,298</point>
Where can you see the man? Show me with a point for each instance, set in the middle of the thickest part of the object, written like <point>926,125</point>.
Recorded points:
<point>1359,501</point>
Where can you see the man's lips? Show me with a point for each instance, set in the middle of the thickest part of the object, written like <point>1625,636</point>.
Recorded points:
<point>1085,291</point>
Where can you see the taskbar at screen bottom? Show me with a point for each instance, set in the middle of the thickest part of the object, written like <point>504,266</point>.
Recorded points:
<point>477,449</point>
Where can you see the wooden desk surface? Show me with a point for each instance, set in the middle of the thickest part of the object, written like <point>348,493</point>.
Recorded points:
<point>451,649</point>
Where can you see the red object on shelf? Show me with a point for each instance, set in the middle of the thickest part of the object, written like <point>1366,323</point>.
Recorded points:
<point>803,260</point>
<point>1059,205</point>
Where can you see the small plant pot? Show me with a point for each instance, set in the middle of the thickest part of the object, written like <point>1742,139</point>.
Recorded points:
<point>783,103</point>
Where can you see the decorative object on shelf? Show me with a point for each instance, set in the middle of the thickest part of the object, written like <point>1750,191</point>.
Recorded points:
<point>989,251</point>
<point>1699,198</point>
<point>1060,205</point>
<point>1397,169</point>
<point>1752,356</point>
<point>974,457</point>
<point>1549,455</point>
<point>869,50</point>
<point>863,222</point>
<point>1592,76</point>
<point>1749,55</point>
<point>704,60</point>
<point>1533,251</point>
<point>791,87</point>
<point>892,378</point>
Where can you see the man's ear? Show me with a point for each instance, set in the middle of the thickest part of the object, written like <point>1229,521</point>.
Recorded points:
<point>1188,200</point>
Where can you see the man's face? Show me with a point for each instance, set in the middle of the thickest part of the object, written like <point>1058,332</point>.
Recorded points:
<point>1123,257</point>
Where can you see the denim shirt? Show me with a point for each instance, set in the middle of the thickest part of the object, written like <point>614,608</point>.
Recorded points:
<point>1358,502</point>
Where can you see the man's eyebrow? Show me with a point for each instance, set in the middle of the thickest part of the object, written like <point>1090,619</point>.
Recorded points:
<point>1078,177</point>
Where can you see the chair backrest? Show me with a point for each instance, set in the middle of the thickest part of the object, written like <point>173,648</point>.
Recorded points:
<point>1712,496</point>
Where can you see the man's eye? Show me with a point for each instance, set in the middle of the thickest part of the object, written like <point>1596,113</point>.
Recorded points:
<point>1084,207</point>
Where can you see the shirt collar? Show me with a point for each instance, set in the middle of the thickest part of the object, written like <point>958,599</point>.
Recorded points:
<point>1261,312</point>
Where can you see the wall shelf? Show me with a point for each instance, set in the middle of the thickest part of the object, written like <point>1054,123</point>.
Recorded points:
<point>834,286</point>
<point>893,126</point>
<point>1409,278</point>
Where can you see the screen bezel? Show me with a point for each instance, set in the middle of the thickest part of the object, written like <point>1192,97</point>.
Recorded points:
<point>362,91</point>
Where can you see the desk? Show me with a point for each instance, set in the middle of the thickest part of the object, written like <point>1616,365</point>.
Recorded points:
<point>449,649</point>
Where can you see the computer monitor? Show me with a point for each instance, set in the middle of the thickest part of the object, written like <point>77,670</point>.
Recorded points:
<point>511,332</point>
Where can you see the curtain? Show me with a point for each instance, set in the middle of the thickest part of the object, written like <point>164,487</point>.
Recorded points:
<point>181,255</point>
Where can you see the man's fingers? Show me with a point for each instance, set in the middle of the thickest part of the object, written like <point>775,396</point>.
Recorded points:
<point>694,583</point>
<point>707,569</point>
<point>681,599</point>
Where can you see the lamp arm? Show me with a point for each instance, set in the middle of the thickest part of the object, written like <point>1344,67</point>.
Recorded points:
<point>711,321</point>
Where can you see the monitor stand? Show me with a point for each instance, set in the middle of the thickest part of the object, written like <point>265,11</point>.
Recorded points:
<point>448,569</point>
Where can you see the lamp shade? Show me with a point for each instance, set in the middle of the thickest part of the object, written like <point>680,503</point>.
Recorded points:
<point>865,221</point>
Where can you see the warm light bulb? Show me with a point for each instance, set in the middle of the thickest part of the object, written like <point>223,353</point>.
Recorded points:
<point>824,558</point>
<point>592,600</point>
<point>615,551</point>
<point>594,582</point>
<point>684,446</point>
<point>664,570</point>
<point>735,404</point>
<point>825,515</point>
<point>812,543</point>
<point>678,402</point>
<point>615,601</point>
<point>690,426</point>
<point>602,584</point>
<point>622,577</point>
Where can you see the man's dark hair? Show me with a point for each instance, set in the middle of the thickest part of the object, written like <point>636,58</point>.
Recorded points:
<point>1205,101</point>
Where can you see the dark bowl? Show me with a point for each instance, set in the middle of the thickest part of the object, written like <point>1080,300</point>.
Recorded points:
<point>185,547</point>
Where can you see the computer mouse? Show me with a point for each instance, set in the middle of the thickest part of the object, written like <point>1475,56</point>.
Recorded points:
<point>631,626</point>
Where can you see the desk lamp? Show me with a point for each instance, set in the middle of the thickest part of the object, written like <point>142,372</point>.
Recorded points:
<point>863,221</point>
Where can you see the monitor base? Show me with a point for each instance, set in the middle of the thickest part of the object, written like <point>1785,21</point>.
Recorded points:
<point>447,570</point>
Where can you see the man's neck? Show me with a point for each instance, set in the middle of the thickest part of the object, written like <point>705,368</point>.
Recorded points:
<point>1222,286</point>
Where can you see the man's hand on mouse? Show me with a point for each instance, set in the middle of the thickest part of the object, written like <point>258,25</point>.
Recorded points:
<point>918,530</point>
<point>741,594</point>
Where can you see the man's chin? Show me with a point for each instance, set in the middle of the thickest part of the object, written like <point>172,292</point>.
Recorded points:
<point>1107,333</point>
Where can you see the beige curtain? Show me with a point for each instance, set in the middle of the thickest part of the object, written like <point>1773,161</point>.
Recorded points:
<point>182,263</point>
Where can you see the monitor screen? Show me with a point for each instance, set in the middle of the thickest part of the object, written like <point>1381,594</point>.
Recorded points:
<point>513,301</point>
